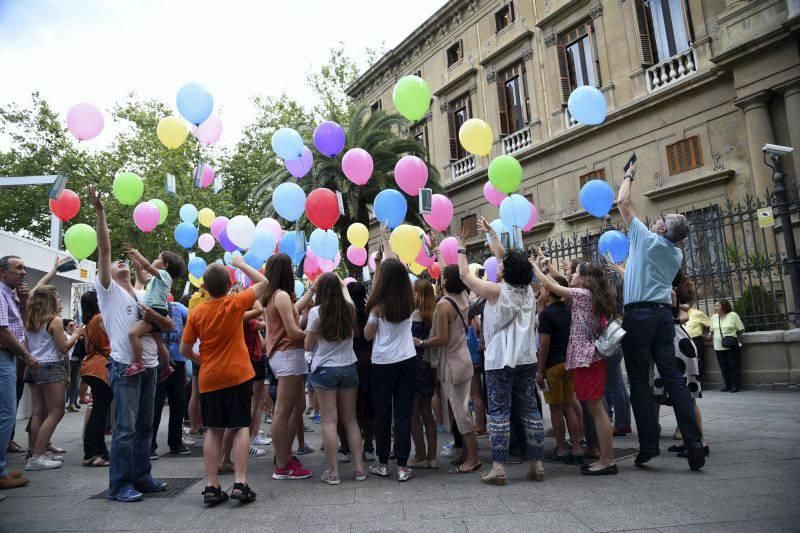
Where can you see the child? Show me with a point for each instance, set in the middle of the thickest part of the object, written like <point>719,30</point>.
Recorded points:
<point>168,267</point>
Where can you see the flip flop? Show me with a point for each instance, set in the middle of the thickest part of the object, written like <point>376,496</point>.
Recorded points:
<point>97,462</point>
<point>459,470</point>
<point>13,447</point>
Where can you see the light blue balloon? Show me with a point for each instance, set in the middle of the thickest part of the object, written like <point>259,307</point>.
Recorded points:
<point>253,260</point>
<point>197,266</point>
<point>390,206</point>
<point>614,242</point>
<point>412,277</point>
<point>299,288</point>
<point>498,227</point>
<point>515,211</point>
<point>188,213</point>
<point>293,244</point>
<point>324,243</point>
<point>263,244</point>
<point>186,234</point>
<point>289,201</point>
<point>587,105</point>
<point>228,257</point>
<point>287,144</point>
<point>195,103</point>
<point>597,197</point>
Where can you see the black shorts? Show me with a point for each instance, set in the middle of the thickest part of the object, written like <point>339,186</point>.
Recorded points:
<point>162,312</point>
<point>259,368</point>
<point>227,408</point>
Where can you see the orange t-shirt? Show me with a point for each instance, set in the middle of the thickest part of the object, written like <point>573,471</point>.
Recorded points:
<point>224,358</point>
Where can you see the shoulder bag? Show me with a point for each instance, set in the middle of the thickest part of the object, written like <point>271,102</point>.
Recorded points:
<point>610,338</point>
<point>728,341</point>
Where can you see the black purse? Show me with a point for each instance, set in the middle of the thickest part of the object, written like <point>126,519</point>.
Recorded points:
<point>728,341</point>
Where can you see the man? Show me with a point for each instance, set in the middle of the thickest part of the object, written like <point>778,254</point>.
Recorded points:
<point>129,472</point>
<point>13,296</point>
<point>653,261</point>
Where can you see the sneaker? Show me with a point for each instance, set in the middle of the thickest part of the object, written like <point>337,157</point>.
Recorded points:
<point>404,474</point>
<point>369,455</point>
<point>310,412</point>
<point>153,455</point>
<point>304,450</point>
<point>188,442</point>
<point>41,463</point>
<point>344,457</point>
<point>255,452</point>
<point>439,428</point>
<point>186,430</point>
<point>291,471</point>
<point>268,419</point>
<point>330,478</point>
<point>379,470</point>
<point>448,445</point>
<point>53,457</point>
<point>317,419</point>
<point>181,450</point>
<point>261,440</point>
<point>307,429</point>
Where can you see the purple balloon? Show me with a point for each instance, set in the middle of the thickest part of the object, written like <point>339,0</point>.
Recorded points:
<point>329,138</point>
<point>491,268</point>
<point>225,242</point>
<point>300,167</point>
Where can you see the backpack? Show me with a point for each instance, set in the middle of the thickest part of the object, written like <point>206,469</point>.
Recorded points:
<point>472,337</point>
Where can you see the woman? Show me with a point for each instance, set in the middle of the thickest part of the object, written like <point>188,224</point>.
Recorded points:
<point>422,415</point>
<point>44,329</point>
<point>363,350</point>
<point>76,355</point>
<point>94,374</point>
<point>592,306</point>
<point>334,375</point>
<point>454,367</point>
<point>726,323</point>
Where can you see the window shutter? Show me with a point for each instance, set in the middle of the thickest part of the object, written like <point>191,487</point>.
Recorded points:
<point>645,37</point>
<point>696,151</point>
<point>511,11</point>
<point>687,20</point>
<point>469,106</point>
<point>563,67</point>
<point>596,54</point>
<point>527,107</point>
<point>672,159</point>
<point>501,105</point>
<point>451,119</point>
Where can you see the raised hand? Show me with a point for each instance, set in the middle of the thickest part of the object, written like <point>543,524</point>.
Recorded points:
<point>237,261</point>
<point>483,225</point>
<point>94,197</point>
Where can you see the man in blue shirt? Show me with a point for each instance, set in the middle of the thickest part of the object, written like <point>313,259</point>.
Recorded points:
<point>653,262</point>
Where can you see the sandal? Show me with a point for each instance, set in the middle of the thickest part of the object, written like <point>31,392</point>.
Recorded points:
<point>360,475</point>
<point>243,493</point>
<point>459,470</point>
<point>493,479</point>
<point>13,447</point>
<point>98,462</point>
<point>536,473</point>
<point>214,495</point>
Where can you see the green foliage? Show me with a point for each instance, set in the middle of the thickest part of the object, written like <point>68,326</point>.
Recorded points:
<point>760,308</point>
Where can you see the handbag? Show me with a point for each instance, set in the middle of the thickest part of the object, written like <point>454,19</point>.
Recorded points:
<point>610,338</point>
<point>728,341</point>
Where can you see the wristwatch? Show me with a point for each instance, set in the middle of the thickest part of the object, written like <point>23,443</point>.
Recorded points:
<point>462,251</point>
<point>627,177</point>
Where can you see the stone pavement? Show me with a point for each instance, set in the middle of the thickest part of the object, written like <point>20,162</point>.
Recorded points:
<point>751,483</point>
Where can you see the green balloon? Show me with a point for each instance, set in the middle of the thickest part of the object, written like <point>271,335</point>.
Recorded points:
<point>412,97</point>
<point>163,211</point>
<point>505,173</point>
<point>128,188</point>
<point>80,241</point>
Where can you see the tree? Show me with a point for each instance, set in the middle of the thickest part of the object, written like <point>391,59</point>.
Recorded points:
<point>330,83</point>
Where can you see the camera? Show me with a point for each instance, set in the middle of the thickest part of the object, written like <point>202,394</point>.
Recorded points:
<point>777,150</point>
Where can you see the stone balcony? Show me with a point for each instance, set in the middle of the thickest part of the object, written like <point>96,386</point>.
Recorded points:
<point>463,167</point>
<point>517,141</point>
<point>671,71</point>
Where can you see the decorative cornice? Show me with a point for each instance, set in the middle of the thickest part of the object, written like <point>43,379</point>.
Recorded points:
<point>473,89</point>
<point>550,40</point>
<point>527,55</point>
<point>443,107</point>
<point>751,101</point>
<point>455,82</point>
<point>491,76</point>
<point>596,11</point>
<point>690,186</point>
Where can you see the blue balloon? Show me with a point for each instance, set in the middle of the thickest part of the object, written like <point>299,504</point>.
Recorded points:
<point>597,197</point>
<point>195,103</point>
<point>197,266</point>
<point>299,288</point>
<point>515,211</point>
<point>324,243</point>
<point>615,243</point>
<point>587,105</point>
<point>186,234</point>
<point>263,245</point>
<point>188,213</point>
<point>253,260</point>
<point>390,207</point>
<point>228,256</point>
<point>287,144</point>
<point>293,244</point>
<point>498,227</point>
<point>289,201</point>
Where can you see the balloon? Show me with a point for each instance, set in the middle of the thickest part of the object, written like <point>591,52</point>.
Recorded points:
<point>490,265</point>
<point>293,244</point>
<point>67,206</point>
<point>206,177</point>
<point>534,218</point>
<point>128,188</point>
<point>310,264</point>
<point>505,173</point>
<point>322,208</point>
<point>300,167</point>
<point>358,234</point>
<point>411,174</point>
<point>328,265</point>
<point>171,132</point>
<point>449,249</point>
<point>347,281</point>
<point>371,261</point>
<point>84,121</point>
<point>356,255</point>
<point>228,256</point>
<point>299,288</point>
<point>197,282</point>
<point>476,137</point>
<point>225,241</point>
<point>492,195</point>
<point>253,260</point>
<point>196,266</point>
<point>195,103</point>
<point>289,201</point>
<point>587,105</point>
<point>186,234</point>
<point>264,243</point>
<point>416,268</point>
<point>219,224</point>
<point>423,259</point>
<point>615,243</point>
<point>412,97</point>
<point>390,207</point>
<point>209,131</point>
<point>329,138</point>
<point>515,212</point>
<point>441,212</point>
<point>163,210</point>
<point>206,217</point>
<point>357,165</point>
<point>188,213</point>
<point>325,243</point>
<point>146,216</point>
<point>80,240</point>
<point>287,144</point>
<point>271,225</point>
<point>205,242</point>
<point>241,231</point>
<point>597,197</point>
<point>435,271</point>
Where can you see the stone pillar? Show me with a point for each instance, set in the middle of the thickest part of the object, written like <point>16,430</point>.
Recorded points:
<point>791,99</point>
<point>759,132</point>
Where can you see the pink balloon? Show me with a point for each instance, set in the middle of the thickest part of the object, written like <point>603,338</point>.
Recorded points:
<point>356,255</point>
<point>337,259</point>
<point>329,265</point>
<point>311,263</point>
<point>371,261</point>
<point>492,195</point>
<point>272,226</point>
<point>146,216</point>
<point>411,174</point>
<point>423,259</point>
<point>84,121</point>
<point>209,131</point>
<point>449,250</point>
<point>533,220</point>
<point>441,212</point>
<point>207,177</point>
<point>357,165</point>
<point>205,242</point>
<point>219,224</point>
<point>348,281</point>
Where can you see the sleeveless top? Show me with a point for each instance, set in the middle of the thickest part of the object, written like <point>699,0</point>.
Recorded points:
<point>277,337</point>
<point>43,346</point>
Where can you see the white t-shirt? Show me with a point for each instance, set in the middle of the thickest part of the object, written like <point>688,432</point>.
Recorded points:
<point>393,341</point>
<point>328,353</point>
<point>120,312</point>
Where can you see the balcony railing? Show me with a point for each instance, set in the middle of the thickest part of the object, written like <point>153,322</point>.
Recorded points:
<point>462,167</point>
<point>672,70</point>
<point>569,121</point>
<point>517,141</point>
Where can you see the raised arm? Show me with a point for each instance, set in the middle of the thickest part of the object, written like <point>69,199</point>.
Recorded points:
<point>258,279</point>
<point>485,289</point>
<point>47,277</point>
<point>103,240</point>
<point>624,197</point>
<point>137,257</point>
<point>62,342</point>
<point>387,250</point>
<point>495,244</point>
<point>550,284</point>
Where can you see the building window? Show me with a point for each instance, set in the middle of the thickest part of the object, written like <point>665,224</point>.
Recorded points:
<point>513,100</point>
<point>419,132</point>
<point>459,111</point>
<point>664,29</point>
<point>454,54</point>
<point>684,155</point>
<point>470,224</point>
<point>593,175</point>
<point>704,252</point>
<point>377,106</point>
<point>578,61</point>
<point>504,17</point>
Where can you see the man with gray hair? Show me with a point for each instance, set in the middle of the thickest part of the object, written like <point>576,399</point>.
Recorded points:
<point>653,261</point>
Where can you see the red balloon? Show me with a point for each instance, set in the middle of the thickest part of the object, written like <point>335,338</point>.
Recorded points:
<point>435,271</point>
<point>232,274</point>
<point>322,208</point>
<point>67,205</point>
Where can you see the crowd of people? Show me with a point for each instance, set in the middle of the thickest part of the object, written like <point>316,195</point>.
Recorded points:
<point>386,363</point>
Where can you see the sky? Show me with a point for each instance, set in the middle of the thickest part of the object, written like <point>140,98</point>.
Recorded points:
<point>99,51</point>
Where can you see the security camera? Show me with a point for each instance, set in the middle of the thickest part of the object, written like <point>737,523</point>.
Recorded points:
<point>774,149</point>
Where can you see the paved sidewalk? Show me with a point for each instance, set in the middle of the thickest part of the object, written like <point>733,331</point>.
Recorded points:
<point>751,483</point>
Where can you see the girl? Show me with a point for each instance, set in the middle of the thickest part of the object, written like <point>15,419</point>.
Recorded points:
<point>363,350</point>
<point>422,417</point>
<point>95,375</point>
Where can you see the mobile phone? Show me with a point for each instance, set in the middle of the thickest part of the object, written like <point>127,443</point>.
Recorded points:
<point>631,161</point>
<point>425,201</point>
<point>425,245</point>
<point>481,272</point>
<point>67,266</point>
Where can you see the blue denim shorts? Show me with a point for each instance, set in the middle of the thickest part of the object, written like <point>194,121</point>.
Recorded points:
<point>334,377</point>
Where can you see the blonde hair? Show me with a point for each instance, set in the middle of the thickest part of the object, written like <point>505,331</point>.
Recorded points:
<point>42,308</point>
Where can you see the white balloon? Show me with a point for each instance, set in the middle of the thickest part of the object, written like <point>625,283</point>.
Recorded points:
<point>241,231</point>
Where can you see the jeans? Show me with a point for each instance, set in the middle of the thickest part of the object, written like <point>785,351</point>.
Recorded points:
<point>334,377</point>
<point>94,434</point>
<point>173,389</point>
<point>133,427</point>
<point>502,386</point>
<point>650,337</point>
<point>8,403</point>
<point>730,365</point>
<point>618,401</point>
<point>393,388</point>
<point>74,382</point>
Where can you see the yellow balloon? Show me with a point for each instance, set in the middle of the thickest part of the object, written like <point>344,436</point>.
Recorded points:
<point>358,235</point>
<point>405,242</point>
<point>476,137</point>
<point>416,268</point>
<point>197,282</point>
<point>206,216</point>
<point>172,132</point>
